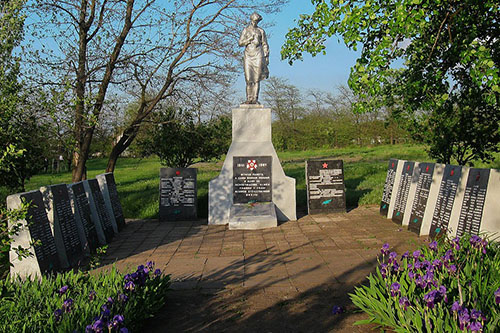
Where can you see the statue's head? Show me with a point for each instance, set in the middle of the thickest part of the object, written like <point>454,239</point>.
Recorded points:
<point>255,17</point>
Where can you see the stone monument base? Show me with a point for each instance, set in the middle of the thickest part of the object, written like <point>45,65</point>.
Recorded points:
<point>252,216</point>
<point>251,137</point>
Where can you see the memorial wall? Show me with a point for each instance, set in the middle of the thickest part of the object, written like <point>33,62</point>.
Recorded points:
<point>434,199</point>
<point>64,225</point>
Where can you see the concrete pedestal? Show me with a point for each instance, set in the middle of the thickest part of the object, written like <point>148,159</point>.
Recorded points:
<point>251,136</point>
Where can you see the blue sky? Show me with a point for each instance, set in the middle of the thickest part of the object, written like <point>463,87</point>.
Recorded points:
<point>323,72</point>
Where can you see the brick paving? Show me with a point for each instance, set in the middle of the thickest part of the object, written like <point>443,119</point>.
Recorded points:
<point>284,279</point>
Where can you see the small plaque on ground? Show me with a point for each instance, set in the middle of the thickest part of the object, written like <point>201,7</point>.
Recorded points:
<point>325,186</point>
<point>403,191</point>
<point>252,179</point>
<point>252,216</point>
<point>426,171</point>
<point>178,194</point>
<point>471,212</point>
<point>388,186</point>
<point>446,198</point>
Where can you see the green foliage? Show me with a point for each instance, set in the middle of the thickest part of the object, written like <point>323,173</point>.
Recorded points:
<point>30,306</point>
<point>178,140</point>
<point>435,289</point>
<point>450,57</point>
<point>20,147</point>
<point>6,234</point>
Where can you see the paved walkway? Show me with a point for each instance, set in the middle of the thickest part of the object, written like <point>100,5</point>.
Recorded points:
<point>284,279</point>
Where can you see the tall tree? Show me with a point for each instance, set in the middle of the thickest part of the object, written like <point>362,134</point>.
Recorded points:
<point>19,145</point>
<point>449,83</point>
<point>140,49</point>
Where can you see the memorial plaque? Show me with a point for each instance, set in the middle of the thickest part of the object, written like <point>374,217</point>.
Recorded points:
<point>39,233</point>
<point>424,182</point>
<point>100,208</point>
<point>471,212</point>
<point>403,191</point>
<point>83,216</point>
<point>61,214</point>
<point>446,197</point>
<point>325,186</point>
<point>178,194</point>
<point>388,186</point>
<point>110,194</point>
<point>252,179</point>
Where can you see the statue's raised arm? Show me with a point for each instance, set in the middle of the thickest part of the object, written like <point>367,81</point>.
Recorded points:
<point>256,57</point>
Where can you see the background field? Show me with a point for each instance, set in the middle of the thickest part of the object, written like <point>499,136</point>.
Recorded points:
<point>364,168</point>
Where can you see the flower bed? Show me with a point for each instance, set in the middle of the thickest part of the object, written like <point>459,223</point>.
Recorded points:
<point>68,302</point>
<point>450,286</point>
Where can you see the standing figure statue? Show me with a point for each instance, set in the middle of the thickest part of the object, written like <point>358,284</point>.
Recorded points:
<point>256,57</point>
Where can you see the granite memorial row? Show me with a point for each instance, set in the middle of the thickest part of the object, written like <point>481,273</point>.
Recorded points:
<point>325,186</point>
<point>65,224</point>
<point>178,194</point>
<point>434,199</point>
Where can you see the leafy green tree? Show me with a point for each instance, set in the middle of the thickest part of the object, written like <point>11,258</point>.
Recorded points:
<point>179,140</point>
<point>20,149</point>
<point>448,85</point>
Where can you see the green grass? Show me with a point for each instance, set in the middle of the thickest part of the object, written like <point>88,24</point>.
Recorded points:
<point>365,170</point>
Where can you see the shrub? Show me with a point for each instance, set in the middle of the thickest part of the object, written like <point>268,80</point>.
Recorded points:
<point>82,302</point>
<point>452,286</point>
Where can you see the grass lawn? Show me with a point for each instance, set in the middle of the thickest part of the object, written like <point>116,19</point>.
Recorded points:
<point>365,170</point>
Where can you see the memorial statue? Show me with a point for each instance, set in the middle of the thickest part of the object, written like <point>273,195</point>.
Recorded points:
<point>256,57</point>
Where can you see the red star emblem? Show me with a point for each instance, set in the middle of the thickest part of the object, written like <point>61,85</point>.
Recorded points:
<point>252,165</point>
<point>478,176</point>
<point>452,172</point>
<point>408,168</point>
<point>177,172</point>
<point>325,165</point>
<point>392,165</point>
<point>427,169</point>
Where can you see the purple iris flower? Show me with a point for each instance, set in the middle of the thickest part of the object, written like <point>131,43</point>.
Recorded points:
<point>497,296</point>
<point>419,280</point>
<point>58,315</point>
<point>127,277</point>
<point>157,272</point>
<point>67,305</point>
<point>429,298</point>
<point>385,249</point>
<point>475,240</point>
<point>99,326</point>
<point>476,314</point>
<point>463,318</point>
<point>404,303</point>
<point>150,264</point>
<point>393,255</point>
<point>123,330</point>
<point>455,307</point>
<point>130,286</point>
<point>417,254</point>
<point>89,329</point>
<point>448,256</point>
<point>436,263</point>
<point>418,264</point>
<point>63,290</point>
<point>395,289</point>
<point>476,327</point>
<point>405,255</point>
<point>442,293</point>
<point>337,309</point>
<point>383,270</point>
<point>433,246</point>
<point>452,268</point>
<point>411,275</point>
<point>122,298</point>
<point>110,301</point>
<point>456,243</point>
<point>140,267</point>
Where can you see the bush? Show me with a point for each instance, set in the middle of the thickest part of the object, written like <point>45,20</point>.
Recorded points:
<point>81,302</point>
<point>452,286</point>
